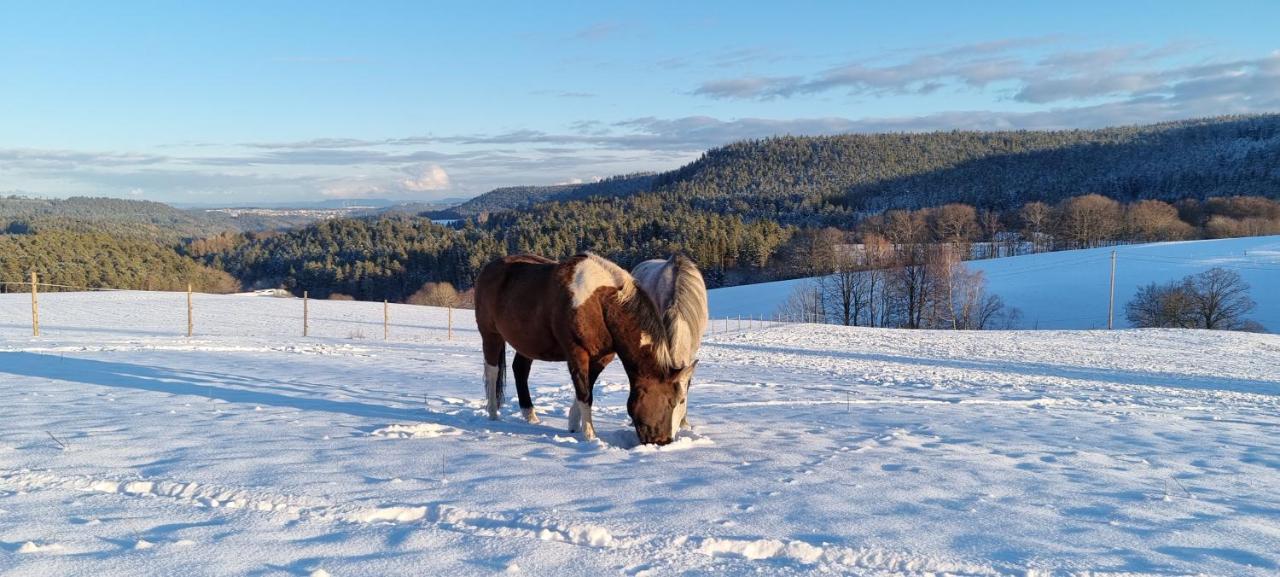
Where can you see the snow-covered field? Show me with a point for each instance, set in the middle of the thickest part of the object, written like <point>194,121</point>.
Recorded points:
<point>128,449</point>
<point>1068,289</point>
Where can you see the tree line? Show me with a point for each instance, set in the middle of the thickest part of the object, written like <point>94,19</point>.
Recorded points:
<point>82,260</point>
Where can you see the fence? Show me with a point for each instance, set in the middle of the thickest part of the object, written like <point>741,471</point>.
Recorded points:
<point>195,314</point>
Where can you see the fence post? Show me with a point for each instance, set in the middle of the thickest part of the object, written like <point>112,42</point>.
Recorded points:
<point>1111,299</point>
<point>190,322</point>
<point>386,318</point>
<point>451,323</point>
<point>305,312</point>
<point>35,306</point>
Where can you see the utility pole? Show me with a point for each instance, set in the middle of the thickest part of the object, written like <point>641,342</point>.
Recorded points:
<point>1111,302</point>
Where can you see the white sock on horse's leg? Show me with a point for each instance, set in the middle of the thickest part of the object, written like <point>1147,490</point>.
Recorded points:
<point>491,373</point>
<point>575,417</point>
<point>530,415</point>
<point>588,430</point>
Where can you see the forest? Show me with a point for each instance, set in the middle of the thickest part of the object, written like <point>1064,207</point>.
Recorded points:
<point>836,180</point>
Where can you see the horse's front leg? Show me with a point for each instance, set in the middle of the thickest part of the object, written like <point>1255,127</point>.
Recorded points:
<point>580,414</point>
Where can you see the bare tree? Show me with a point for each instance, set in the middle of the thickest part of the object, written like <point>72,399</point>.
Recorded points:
<point>1088,220</point>
<point>1037,223</point>
<point>436,294</point>
<point>880,256</point>
<point>1215,299</point>
<point>1221,297</point>
<point>848,291</point>
<point>805,304</point>
<point>1170,305</point>
<point>904,227</point>
<point>954,223</point>
<point>1152,220</point>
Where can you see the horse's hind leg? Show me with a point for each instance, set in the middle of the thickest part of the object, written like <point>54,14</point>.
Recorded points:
<point>520,367</point>
<point>495,369</point>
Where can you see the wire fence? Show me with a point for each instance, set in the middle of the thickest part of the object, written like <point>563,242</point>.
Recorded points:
<point>64,310</point>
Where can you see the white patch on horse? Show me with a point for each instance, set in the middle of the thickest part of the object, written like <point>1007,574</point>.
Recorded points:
<point>594,272</point>
<point>575,417</point>
<point>680,411</point>
<point>588,430</point>
<point>645,339</point>
<point>491,373</point>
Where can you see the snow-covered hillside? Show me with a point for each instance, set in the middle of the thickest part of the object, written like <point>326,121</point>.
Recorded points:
<point>128,449</point>
<point>1068,289</point>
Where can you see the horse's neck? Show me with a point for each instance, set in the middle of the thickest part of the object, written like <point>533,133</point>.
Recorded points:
<point>627,333</point>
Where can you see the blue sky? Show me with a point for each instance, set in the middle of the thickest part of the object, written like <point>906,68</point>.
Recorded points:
<point>233,102</point>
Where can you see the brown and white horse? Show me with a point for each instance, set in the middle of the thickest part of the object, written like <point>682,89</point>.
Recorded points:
<point>677,289</point>
<point>582,311</point>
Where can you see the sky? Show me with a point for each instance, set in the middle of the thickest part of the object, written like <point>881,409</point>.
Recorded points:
<point>242,102</point>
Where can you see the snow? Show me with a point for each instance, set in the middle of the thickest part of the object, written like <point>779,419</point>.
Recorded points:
<point>128,448</point>
<point>1068,289</point>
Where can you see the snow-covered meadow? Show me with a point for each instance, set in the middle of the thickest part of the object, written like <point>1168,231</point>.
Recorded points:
<point>127,448</point>
<point>1068,289</point>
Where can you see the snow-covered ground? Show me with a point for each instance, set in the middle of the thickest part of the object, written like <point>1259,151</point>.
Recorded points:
<point>1068,289</point>
<point>129,449</point>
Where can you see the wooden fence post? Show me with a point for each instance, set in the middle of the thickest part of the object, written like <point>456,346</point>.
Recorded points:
<point>450,323</point>
<point>386,318</point>
<point>35,306</point>
<point>305,301</point>
<point>190,321</point>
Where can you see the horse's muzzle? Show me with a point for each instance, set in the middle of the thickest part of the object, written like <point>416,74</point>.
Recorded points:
<point>654,435</point>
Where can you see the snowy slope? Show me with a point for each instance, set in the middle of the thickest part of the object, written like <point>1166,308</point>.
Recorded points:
<point>129,449</point>
<point>1068,289</point>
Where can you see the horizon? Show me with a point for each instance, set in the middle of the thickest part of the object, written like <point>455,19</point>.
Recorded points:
<point>295,103</point>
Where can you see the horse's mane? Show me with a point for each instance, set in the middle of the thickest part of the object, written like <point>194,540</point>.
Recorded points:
<point>634,301</point>
<point>685,295</point>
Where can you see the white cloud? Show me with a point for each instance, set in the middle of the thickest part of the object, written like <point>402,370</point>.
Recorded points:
<point>1114,72</point>
<point>426,177</point>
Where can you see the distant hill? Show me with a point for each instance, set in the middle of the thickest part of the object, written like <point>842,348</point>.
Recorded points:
<point>795,177</point>
<point>517,197</point>
<point>811,180</point>
<point>138,218</point>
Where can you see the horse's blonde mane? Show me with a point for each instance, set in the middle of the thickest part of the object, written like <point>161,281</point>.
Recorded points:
<point>685,295</point>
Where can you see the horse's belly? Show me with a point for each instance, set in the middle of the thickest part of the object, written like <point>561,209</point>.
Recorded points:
<point>539,347</point>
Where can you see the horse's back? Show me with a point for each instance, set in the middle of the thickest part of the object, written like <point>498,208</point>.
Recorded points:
<point>511,275</point>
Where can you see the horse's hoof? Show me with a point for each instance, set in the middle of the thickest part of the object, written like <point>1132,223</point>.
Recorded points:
<point>493,416</point>
<point>531,416</point>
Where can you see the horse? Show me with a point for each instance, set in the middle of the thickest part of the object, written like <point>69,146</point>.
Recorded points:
<point>582,311</point>
<point>677,289</point>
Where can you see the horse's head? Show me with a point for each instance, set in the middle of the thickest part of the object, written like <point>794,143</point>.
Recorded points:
<point>658,401</point>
